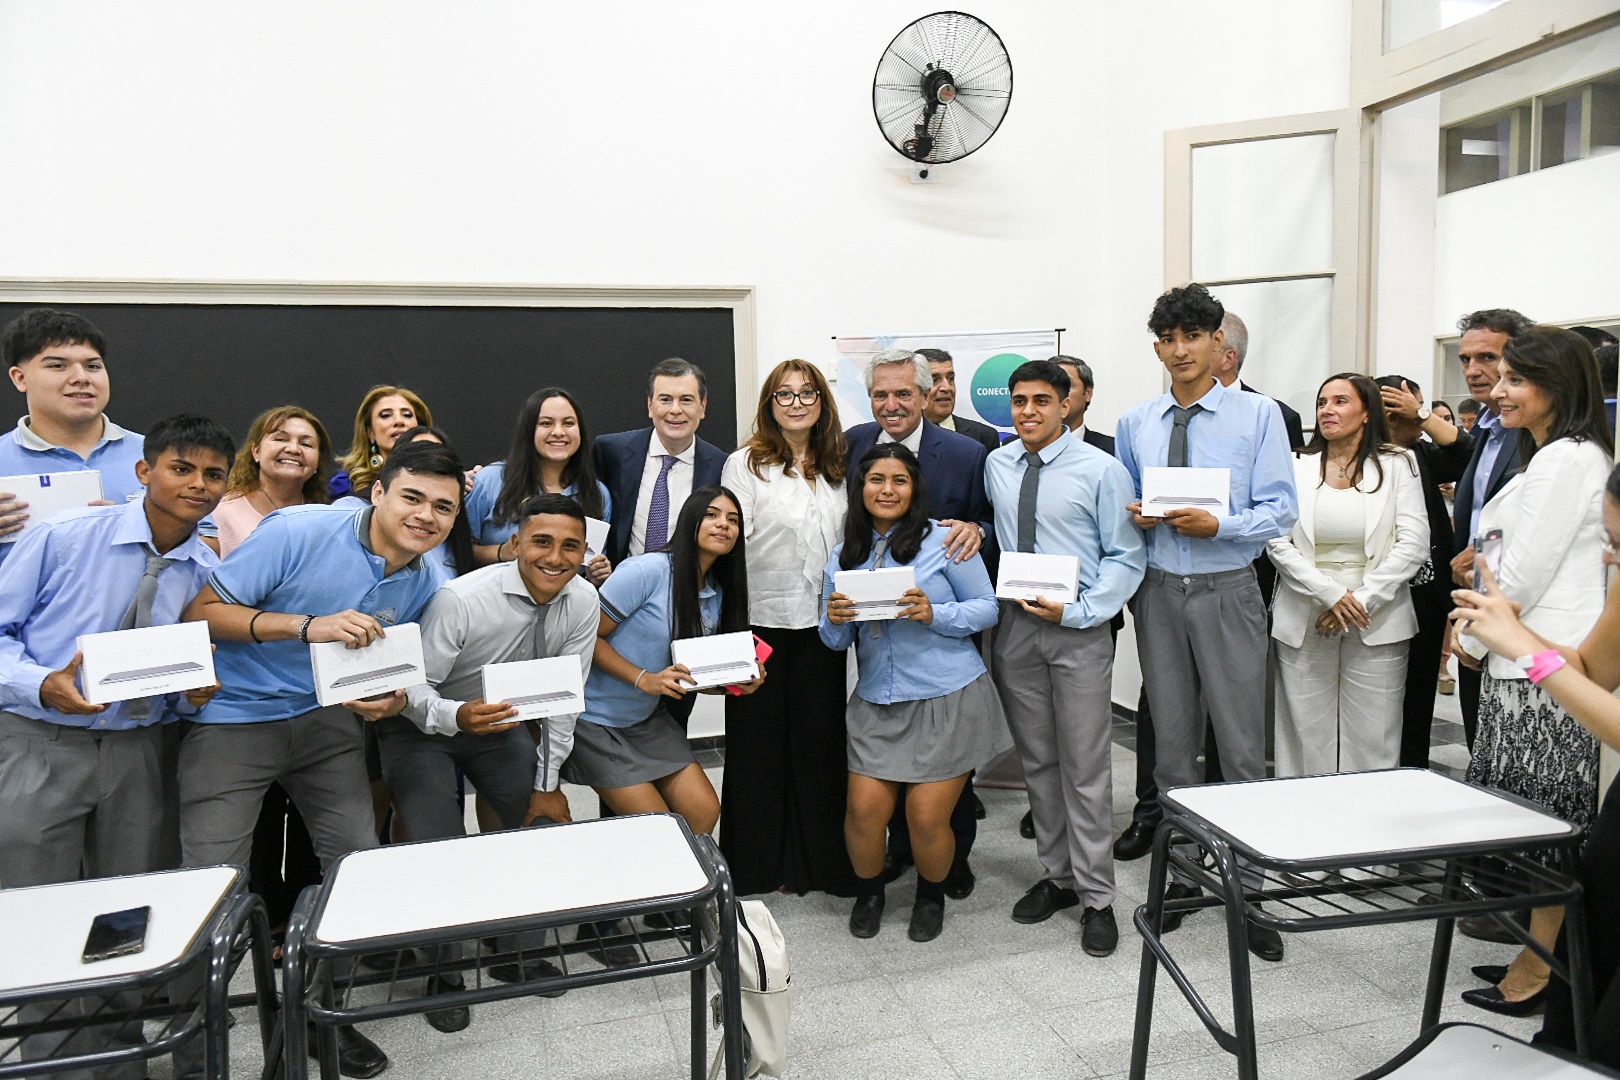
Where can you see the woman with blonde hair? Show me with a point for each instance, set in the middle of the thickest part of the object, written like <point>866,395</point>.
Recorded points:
<point>385,413</point>
<point>284,461</point>
<point>782,814</point>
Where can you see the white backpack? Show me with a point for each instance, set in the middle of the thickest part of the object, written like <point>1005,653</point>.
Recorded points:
<point>767,1000</point>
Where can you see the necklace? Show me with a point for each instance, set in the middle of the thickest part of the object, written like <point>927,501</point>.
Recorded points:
<point>1344,470</point>
<point>274,506</point>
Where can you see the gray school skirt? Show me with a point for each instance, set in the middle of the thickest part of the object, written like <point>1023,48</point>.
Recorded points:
<point>922,742</point>
<point>616,757</point>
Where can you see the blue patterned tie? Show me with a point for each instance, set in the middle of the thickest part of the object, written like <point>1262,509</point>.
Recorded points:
<point>658,513</point>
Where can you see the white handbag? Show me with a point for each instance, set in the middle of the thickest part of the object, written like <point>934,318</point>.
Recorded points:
<point>766,984</point>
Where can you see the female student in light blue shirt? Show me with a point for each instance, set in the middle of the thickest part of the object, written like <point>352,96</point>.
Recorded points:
<point>551,451</point>
<point>627,746</point>
<point>924,712</point>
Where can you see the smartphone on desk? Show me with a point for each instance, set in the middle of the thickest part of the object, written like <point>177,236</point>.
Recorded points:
<point>1487,552</point>
<point>116,933</point>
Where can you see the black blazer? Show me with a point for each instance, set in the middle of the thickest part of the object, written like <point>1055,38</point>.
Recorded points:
<point>1105,443</point>
<point>952,468</point>
<point>620,459</point>
<point>1296,430</point>
<point>981,433</point>
<point>1462,506</point>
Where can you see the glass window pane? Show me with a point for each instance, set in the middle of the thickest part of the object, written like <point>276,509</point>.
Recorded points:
<point>1290,338</point>
<point>1405,21</point>
<point>1262,208</point>
<point>1487,148</point>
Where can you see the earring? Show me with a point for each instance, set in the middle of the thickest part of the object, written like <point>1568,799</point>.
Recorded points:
<point>376,458</point>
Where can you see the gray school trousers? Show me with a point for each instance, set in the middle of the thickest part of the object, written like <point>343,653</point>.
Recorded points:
<point>1055,685</point>
<point>420,770</point>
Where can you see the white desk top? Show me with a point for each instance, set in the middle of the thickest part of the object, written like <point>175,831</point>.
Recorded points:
<point>1346,814</point>
<point>505,875</point>
<point>42,929</point>
<point>1468,1052</point>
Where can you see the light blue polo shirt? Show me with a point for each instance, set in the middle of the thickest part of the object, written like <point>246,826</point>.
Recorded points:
<point>486,491</point>
<point>23,453</point>
<point>303,560</point>
<point>637,597</point>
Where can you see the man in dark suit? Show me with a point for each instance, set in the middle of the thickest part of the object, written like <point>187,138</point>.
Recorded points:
<point>1082,384</point>
<point>636,467</point>
<point>940,406</point>
<point>898,382</point>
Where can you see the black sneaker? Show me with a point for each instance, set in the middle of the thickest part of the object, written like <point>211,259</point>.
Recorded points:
<point>1099,934</point>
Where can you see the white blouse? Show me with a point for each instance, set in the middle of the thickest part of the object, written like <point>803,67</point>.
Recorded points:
<point>790,529</point>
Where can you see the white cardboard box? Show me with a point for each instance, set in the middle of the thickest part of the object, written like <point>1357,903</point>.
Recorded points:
<point>596,537</point>
<point>550,686</point>
<point>50,493</point>
<point>393,662</point>
<point>717,660</point>
<point>120,665</point>
<point>1165,489</point>
<point>1025,575</point>
<point>876,593</point>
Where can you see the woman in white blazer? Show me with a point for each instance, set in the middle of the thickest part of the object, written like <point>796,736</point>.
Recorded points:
<point>1551,565</point>
<point>1343,613</point>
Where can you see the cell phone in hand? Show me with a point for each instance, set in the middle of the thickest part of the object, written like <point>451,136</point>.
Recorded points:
<point>116,933</point>
<point>1487,552</point>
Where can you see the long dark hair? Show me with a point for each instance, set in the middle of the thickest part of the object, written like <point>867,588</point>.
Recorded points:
<point>906,537</point>
<point>729,572</point>
<point>1375,437</point>
<point>770,447</point>
<point>522,475</point>
<point>1560,364</point>
<point>460,541</point>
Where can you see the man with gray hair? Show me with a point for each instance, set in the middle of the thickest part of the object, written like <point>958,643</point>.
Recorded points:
<point>898,383</point>
<point>1082,384</point>
<point>1229,365</point>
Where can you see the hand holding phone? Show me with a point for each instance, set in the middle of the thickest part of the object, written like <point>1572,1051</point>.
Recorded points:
<point>1487,552</point>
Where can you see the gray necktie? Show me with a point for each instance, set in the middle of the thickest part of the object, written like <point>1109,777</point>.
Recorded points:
<point>536,645</point>
<point>1026,500</point>
<point>139,615</point>
<point>880,551</point>
<point>1178,435</point>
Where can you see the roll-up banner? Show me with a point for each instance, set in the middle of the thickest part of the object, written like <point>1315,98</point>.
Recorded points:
<point>983,362</point>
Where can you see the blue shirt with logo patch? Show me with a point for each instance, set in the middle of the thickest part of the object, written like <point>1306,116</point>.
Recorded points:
<point>304,560</point>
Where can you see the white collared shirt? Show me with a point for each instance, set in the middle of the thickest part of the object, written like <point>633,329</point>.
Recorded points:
<point>912,442</point>
<point>679,483</point>
<point>791,530</point>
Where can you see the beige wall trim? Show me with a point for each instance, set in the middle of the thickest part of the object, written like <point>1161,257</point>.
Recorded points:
<point>1501,36</point>
<point>738,298</point>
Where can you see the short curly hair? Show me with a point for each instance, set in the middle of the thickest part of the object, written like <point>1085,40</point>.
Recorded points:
<point>1187,308</point>
<point>1496,320</point>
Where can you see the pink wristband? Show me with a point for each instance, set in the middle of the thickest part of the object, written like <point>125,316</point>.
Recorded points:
<point>1544,663</point>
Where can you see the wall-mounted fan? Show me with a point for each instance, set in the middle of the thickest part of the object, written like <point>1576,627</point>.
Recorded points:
<point>942,88</point>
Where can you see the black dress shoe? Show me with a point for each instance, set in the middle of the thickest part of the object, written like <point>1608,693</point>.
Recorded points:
<point>1044,899</point>
<point>927,919</point>
<point>978,806</point>
<point>1486,928</point>
<point>455,1018</point>
<point>531,971</point>
<point>1099,933</point>
<point>1026,825</point>
<point>1491,973</point>
<point>894,865</point>
<point>667,920</point>
<point>1490,999</point>
<point>358,1056</point>
<point>1265,942</point>
<point>1135,842</point>
<point>958,884</point>
<point>602,952</point>
<point>866,917</point>
<point>1177,891</point>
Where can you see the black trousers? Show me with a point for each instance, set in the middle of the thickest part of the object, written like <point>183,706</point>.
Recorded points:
<point>787,772</point>
<point>1599,867</point>
<point>284,861</point>
<point>1468,683</point>
<point>1422,677</point>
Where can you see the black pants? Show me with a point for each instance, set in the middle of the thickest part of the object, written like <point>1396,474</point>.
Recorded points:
<point>1468,681</point>
<point>1599,867</point>
<point>283,862</point>
<point>787,772</point>
<point>1422,677</point>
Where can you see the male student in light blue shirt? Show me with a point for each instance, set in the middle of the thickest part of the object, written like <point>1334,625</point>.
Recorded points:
<point>1200,618</point>
<point>1055,494</point>
<point>56,359</point>
<point>306,575</point>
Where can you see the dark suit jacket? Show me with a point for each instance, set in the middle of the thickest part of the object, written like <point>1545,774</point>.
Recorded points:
<point>952,469</point>
<point>1462,512</point>
<point>983,434</point>
<point>620,459</point>
<point>1439,465</point>
<point>1296,430</point>
<point>1105,443</point>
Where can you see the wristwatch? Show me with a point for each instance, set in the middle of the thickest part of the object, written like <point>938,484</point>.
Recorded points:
<point>1423,414</point>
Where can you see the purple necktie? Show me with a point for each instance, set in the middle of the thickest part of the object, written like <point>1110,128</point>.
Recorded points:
<point>658,513</point>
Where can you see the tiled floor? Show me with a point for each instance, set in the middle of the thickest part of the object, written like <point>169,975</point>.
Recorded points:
<point>989,998</point>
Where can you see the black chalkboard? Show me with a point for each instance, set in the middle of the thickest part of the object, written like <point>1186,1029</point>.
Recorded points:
<point>474,366</point>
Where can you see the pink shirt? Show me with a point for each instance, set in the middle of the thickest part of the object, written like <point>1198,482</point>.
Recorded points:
<point>236,516</point>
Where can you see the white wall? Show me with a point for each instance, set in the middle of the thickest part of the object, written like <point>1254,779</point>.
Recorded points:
<point>635,143</point>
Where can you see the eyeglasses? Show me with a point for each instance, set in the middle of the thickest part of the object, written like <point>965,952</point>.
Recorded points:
<point>786,398</point>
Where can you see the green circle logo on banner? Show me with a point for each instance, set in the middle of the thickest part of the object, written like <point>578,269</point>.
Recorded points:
<point>990,397</point>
